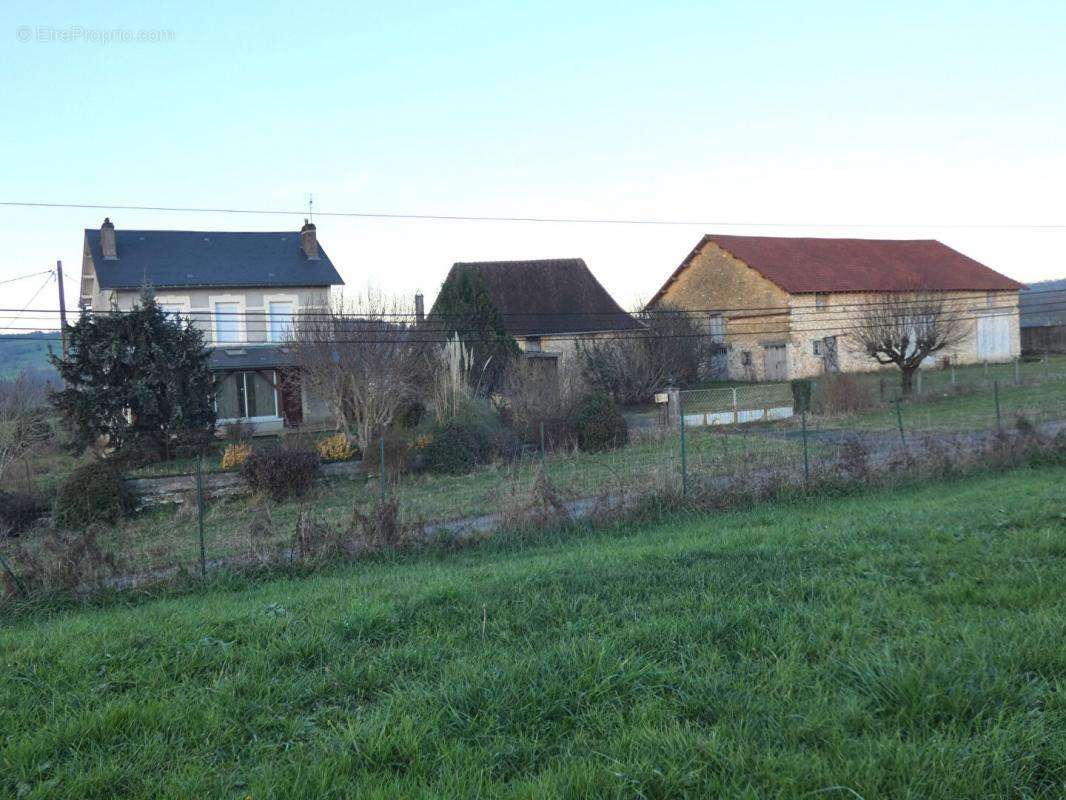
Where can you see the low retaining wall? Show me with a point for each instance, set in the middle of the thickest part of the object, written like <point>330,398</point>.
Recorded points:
<point>180,488</point>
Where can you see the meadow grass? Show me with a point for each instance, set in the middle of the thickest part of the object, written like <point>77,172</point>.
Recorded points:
<point>891,644</point>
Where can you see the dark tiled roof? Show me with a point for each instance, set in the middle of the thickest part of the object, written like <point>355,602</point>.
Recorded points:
<point>1043,303</point>
<point>855,265</point>
<point>208,258</point>
<point>250,357</point>
<point>549,296</point>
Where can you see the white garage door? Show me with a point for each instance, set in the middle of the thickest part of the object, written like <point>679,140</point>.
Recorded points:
<point>993,337</point>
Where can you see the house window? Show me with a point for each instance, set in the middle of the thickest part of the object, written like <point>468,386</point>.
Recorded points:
<point>280,321</point>
<point>227,323</point>
<point>244,395</point>
<point>172,309</point>
<point>821,300</point>
<point>745,358</point>
<point>716,327</point>
<point>817,346</point>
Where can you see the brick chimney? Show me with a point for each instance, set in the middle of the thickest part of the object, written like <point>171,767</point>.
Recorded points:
<point>309,241</point>
<point>420,307</point>
<point>107,240</point>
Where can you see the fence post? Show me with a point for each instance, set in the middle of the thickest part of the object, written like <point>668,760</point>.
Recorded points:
<point>1017,371</point>
<point>952,373</point>
<point>736,408</point>
<point>899,422</point>
<point>200,512</point>
<point>995,393</point>
<point>806,457</point>
<point>684,463</point>
<point>381,466</point>
<point>543,453</point>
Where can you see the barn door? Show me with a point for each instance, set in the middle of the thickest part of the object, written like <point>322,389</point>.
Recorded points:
<point>993,338</point>
<point>775,363</point>
<point>830,359</point>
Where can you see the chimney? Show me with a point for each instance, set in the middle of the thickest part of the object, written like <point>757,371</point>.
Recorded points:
<point>420,307</point>
<point>107,240</point>
<point>309,241</point>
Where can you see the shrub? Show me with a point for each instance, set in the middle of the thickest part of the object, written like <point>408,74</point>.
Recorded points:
<point>19,510</point>
<point>235,455</point>
<point>597,424</point>
<point>280,472</point>
<point>398,454</point>
<point>238,431</point>
<point>93,493</point>
<point>462,443</point>
<point>841,393</point>
<point>334,448</point>
<point>801,394</point>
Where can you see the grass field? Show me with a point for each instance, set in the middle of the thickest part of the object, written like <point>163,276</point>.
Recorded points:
<point>904,644</point>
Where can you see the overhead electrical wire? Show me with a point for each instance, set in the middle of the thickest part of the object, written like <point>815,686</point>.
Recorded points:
<point>532,218</point>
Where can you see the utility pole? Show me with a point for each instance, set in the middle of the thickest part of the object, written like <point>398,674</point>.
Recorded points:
<point>62,306</point>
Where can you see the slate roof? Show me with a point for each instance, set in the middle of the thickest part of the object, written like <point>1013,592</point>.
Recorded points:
<point>548,297</point>
<point>250,357</point>
<point>190,259</point>
<point>801,265</point>
<point>1043,303</point>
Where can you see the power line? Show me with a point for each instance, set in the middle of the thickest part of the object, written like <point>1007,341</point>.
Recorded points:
<point>834,308</point>
<point>40,289</point>
<point>23,277</point>
<point>387,215</point>
<point>444,335</point>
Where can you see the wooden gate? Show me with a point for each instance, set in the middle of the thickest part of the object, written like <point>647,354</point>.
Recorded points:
<point>775,362</point>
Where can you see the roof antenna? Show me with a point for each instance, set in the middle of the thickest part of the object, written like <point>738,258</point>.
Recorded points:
<point>310,208</point>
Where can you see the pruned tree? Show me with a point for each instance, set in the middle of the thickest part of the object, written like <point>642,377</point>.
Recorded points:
<point>359,358</point>
<point>905,328</point>
<point>136,377</point>
<point>22,420</point>
<point>671,346</point>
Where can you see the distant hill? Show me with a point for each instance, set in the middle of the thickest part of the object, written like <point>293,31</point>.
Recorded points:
<point>29,351</point>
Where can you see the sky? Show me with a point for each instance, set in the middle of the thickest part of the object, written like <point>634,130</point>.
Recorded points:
<point>917,118</point>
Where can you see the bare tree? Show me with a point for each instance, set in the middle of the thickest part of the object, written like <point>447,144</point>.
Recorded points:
<point>905,328</point>
<point>22,422</point>
<point>671,346</point>
<point>358,359</point>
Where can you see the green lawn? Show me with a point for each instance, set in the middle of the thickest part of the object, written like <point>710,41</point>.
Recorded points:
<point>905,644</point>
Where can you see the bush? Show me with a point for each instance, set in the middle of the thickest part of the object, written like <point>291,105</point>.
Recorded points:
<point>841,393</point>
<point>462,443</point>
<point>238,431</point>
<point>235,455</point>
<point>801,394</point>
<point>597,424</point>
<point>281,472</point>
<point>398,454</point>
<point>335,448</point>
<point>93,493</point>
<point>19,510</point>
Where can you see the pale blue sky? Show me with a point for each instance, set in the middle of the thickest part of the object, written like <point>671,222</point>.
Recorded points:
<point>827,113</point>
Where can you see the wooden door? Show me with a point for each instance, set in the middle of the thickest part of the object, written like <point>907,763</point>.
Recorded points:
<point>292,408</point>
<point>775,362</point>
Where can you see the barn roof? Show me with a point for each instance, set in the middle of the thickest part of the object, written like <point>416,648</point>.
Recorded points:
<point>801,265</point>
<point>548,296</point>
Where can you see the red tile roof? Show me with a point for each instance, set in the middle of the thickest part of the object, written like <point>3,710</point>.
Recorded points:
<point>855,265</point>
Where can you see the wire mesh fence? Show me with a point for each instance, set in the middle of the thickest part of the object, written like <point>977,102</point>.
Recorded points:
<point>722,438</point>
